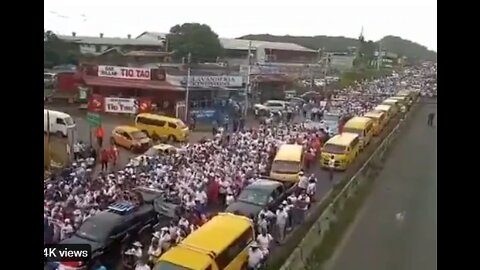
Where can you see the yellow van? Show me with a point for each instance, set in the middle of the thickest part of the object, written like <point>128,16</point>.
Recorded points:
<point>287,163</point>
<point>386,108</point>
<point>162,127</point>
<point>392,102</point>
<point>363,126</point>
<point>409,95</point>
<point>379,121</point>
<point>403,102</point>
<point>342,148</point>
<point>221,243</point>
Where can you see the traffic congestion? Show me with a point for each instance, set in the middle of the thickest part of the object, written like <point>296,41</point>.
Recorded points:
<point>226,201</point>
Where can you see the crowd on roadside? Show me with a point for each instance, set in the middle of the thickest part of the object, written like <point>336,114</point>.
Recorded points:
<point>206,176</point>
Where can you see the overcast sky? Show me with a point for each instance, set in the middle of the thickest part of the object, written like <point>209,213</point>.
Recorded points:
<point>415,20</point>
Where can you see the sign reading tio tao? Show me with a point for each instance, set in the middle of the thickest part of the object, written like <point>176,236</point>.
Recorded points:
<point>124,72</point>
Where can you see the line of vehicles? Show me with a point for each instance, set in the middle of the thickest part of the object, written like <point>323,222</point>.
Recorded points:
<point>223,242</point>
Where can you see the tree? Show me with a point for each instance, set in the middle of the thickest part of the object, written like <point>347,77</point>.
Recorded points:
<point>197,39</point>
<point>56,51</point>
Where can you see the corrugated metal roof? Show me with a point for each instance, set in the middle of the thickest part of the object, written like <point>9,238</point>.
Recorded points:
<point>242,44</point>
<point>152,35</point>
<point>114,41</point>
<point>236,44</point>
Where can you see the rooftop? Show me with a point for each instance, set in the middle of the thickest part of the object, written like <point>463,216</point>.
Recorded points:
<point>242,44</point>
<point>114,41</point>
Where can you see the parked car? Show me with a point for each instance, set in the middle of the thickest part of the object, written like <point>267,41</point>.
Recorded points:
<point>259,195</point>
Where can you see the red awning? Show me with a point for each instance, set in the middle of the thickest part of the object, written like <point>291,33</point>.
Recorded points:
<point>271,78</point>
<point>126,83</point>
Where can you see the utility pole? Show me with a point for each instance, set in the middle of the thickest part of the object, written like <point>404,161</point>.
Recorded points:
<point>187,89</point>
<point>48,141</point>
<point>249,70</point>
<point>379,56</point>
<point>327,62</point>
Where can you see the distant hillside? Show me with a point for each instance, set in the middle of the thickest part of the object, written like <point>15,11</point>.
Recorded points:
<point>403,47</point>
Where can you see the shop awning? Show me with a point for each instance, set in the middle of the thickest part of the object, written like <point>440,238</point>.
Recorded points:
<point>126,83</point>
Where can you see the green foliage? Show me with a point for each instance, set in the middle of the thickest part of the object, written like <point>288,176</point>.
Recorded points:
<point>57,52</point>
<point>197,39</point>
<point>402,47</point>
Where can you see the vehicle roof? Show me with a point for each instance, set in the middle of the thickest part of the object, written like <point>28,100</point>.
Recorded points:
<point>57,113</point>
<point>403,93</point>
<point>206,237</point>
<point>178,255</point>
<point>264,184</point>
<point>383,107</point>
<point>127,128</point>
<point>391,100</point>
<point>276,100</point>
<point>343,139</point>
<point>289,152</point>
<point>106,217</point>
<point>358,122</point>
<point>374,114</point>
<point>158,116</point>
<point>399,97</point>
<point>163,146</point>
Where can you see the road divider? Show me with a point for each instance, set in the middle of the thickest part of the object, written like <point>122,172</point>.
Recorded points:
<point>338,197</point>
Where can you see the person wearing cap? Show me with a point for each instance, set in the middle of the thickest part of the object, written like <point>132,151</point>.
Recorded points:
<point>302,181</point>
<point>312,186</point>
<point>165,239</point>
<point>154,250</point>
<point>137,246</point>
<point>255,256</point>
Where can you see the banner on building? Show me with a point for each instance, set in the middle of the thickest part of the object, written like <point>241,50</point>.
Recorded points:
<point>124,72</point>
<point>121,105</point>
<point>216,81</point>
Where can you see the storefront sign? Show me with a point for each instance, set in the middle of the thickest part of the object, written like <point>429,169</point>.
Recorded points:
<point>120,105</point>
<point>95,103</point>
<point>124,72</point>
<point>215,81</point>
<point>144,105</point>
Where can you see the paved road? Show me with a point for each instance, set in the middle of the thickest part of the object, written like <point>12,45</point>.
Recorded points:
<point>408,183</point>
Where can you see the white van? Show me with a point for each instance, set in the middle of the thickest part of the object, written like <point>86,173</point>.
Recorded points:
<point>60,122</point>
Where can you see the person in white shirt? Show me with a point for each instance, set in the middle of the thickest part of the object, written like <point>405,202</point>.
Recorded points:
<point>331,165</point>
<point>141,265</point>
<point>264,239</point>
<point>138,249</point>
<point>312,186</point>
<point>255,257</point>
<point>165,239</point>
<point>302,181</point>
<point>230,198</point>
<point>281,222</point>
<point>154,251</point>
<point>262,223</point>
<point>201,196</point>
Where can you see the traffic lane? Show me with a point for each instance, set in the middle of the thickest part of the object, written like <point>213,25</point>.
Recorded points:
<point>407,184</point>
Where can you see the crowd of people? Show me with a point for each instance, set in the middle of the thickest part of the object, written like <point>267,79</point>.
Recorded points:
<point>205,177</point>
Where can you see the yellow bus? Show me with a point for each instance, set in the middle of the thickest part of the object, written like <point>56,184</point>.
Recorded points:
<point>287,163</point>
<point>363,126</point>
<point>342,148</point>
<point>221,243</point>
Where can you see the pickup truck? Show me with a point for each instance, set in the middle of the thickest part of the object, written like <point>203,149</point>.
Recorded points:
<point>259,195</point>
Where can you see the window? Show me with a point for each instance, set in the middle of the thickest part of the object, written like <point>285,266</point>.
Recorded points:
<point>231,252</point>
<point>172,125</point>
<point>354,142</point>
<point>159,123</point>
<point>125,134</point>
<point>60,121</point>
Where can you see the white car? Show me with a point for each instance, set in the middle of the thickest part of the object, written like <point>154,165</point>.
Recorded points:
<point>271,106</point>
